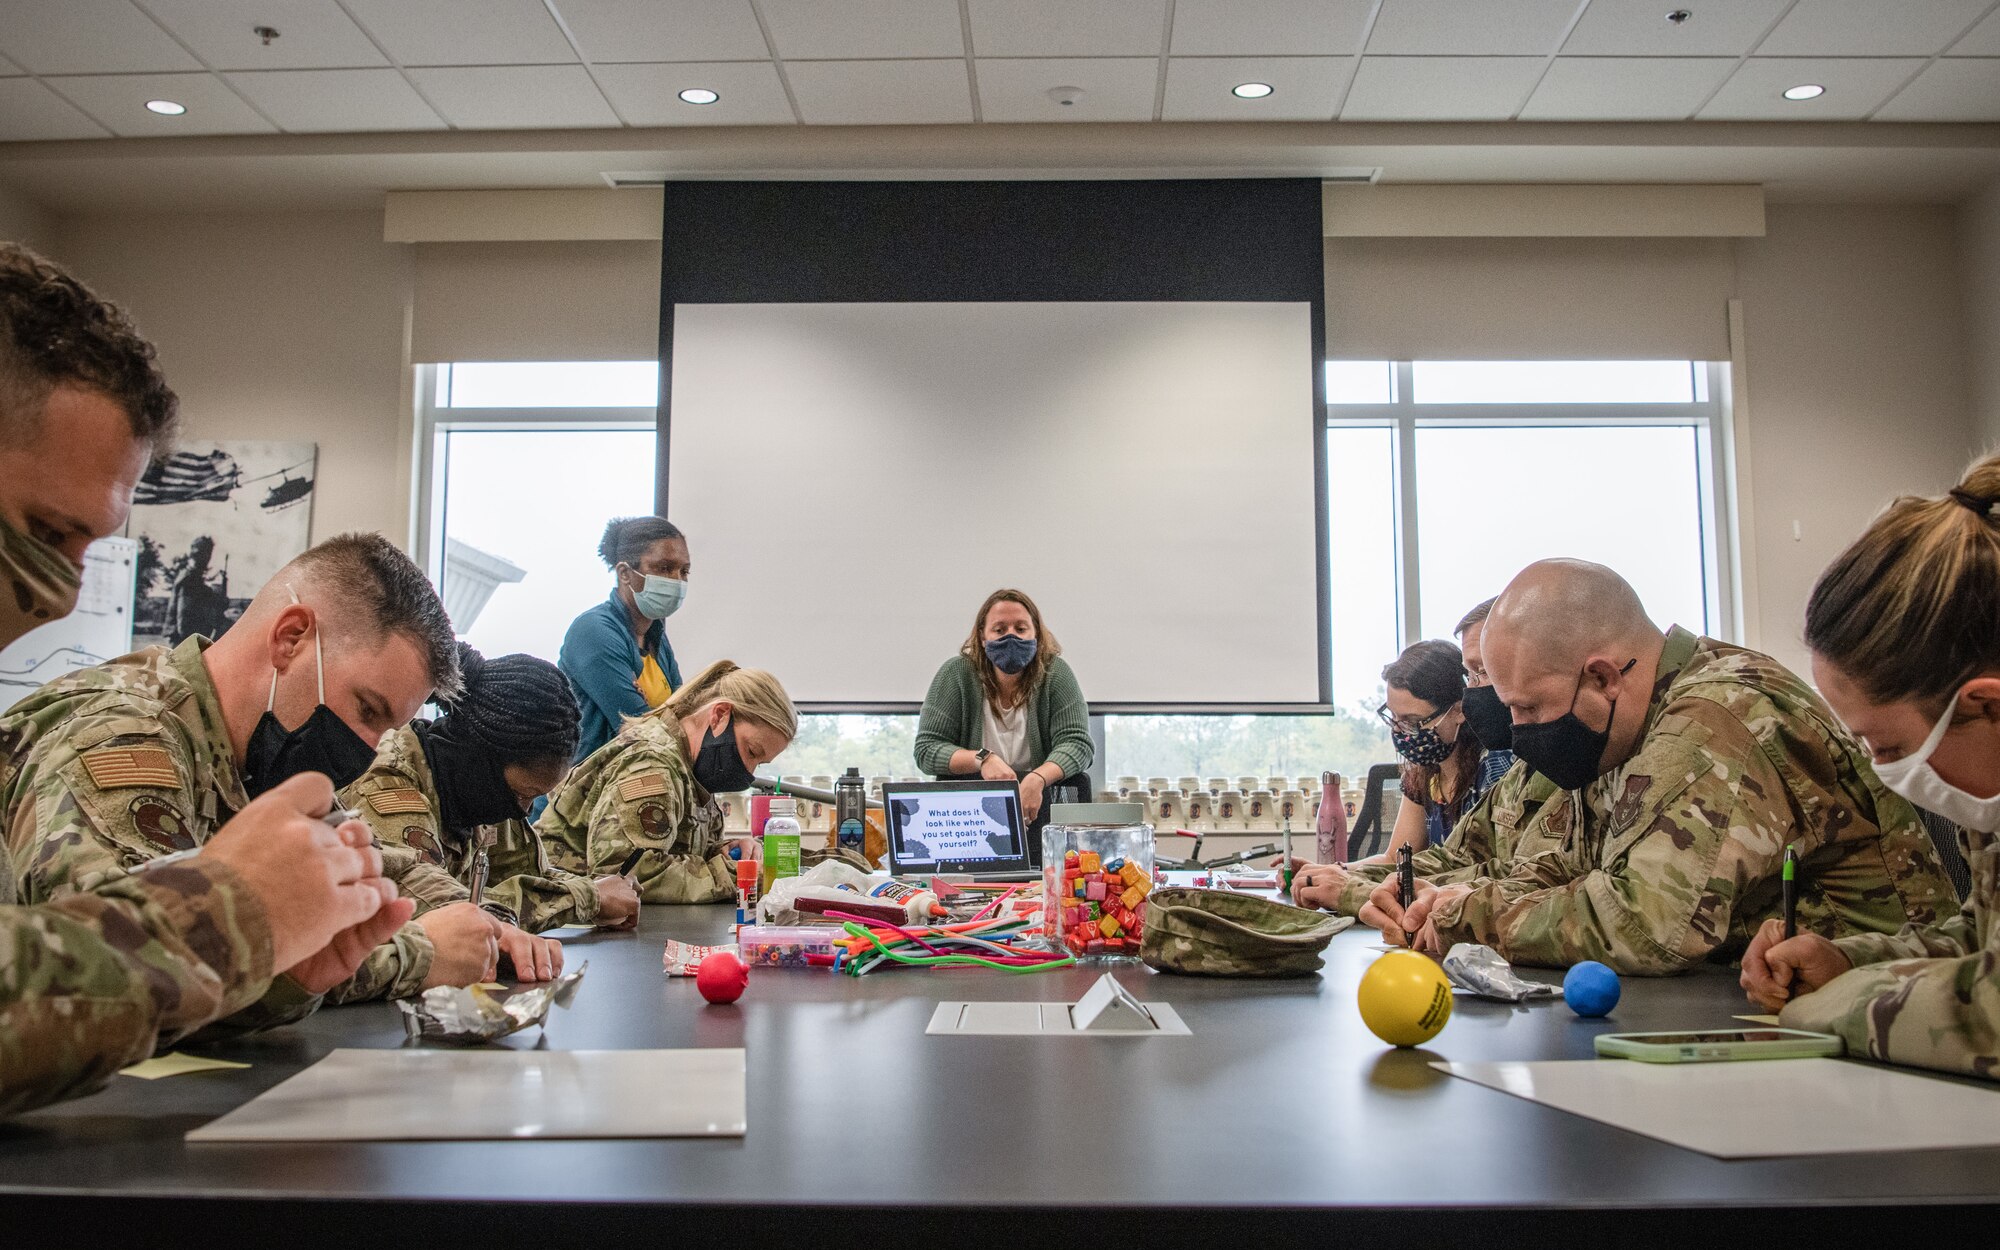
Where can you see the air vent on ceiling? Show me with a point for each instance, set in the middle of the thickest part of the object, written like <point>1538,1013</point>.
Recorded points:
<point>635,177</point>
<point>1352,174</point>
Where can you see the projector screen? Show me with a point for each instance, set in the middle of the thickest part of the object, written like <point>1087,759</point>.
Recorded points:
<point>855,478</point>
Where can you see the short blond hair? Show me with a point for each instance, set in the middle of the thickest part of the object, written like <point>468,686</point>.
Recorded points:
<point>754,693</point>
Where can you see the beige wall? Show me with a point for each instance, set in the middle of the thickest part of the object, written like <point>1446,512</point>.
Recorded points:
<point>23,221</point>
<point>1979,248</point>
<point>275,326</point>
<point>1857,385</point>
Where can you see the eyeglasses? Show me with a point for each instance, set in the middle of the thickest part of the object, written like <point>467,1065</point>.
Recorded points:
<point>1403,724</point>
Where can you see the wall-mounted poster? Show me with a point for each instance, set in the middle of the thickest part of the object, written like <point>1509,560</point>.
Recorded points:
<point>99,629</point>
<point>214,521</point>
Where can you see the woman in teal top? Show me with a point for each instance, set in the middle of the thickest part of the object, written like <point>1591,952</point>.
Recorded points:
<point>616,655</point>
<point>1007,706</point>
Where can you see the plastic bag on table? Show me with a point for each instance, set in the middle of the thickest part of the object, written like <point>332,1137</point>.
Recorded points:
<point>829,880</point>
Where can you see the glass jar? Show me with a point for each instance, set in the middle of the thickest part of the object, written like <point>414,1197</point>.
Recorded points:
<point>1097,871</point>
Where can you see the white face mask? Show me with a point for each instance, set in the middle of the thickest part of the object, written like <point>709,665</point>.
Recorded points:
<point>1915,779</point>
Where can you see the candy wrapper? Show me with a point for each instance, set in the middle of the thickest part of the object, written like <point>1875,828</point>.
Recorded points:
<point>1480,970</point>
<point>684,958</point>
<point>480,1013</point>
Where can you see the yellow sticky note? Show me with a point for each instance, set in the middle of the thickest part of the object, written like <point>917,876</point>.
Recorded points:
<point>174,1063</point>
<point>1759,1019</point>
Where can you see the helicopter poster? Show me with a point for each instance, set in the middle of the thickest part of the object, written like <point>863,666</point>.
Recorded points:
<point>213,522</point>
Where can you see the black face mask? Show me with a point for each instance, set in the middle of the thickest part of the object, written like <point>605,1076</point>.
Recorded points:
<point>323,744</point>
<point>1489,718</point>
<point>718,766</point>
<point>471,784</point>
<point>1565,750</point>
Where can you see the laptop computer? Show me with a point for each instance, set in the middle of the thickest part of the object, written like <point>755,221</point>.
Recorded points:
<point>954,828</point>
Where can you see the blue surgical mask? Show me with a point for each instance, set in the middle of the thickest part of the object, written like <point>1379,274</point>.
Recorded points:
<point>659,598</point>
<point>1011,654</point>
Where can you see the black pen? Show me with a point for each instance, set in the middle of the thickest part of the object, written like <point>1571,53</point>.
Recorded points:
<point>631,862</point>
<point>1791,893</point>
<point>1406,889</point>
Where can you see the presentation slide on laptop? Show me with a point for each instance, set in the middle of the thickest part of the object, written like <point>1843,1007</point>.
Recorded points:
<point>959,826</point>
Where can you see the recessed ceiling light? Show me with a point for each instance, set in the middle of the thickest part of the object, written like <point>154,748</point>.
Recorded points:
<point>166,108</point>
<point>699,95</point>
<point>1804,91</point>
<point>1251,90</point>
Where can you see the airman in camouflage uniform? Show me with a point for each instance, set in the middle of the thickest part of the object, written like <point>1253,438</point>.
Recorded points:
<point>1521,815</point>
<point>118,765</point>
<point>1678,855</point>
<point>399,799</point>
<point>638,792</point>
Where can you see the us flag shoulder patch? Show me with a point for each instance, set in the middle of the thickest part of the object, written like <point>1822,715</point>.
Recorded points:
<point>644,786</point>
<point>403,801</point>
<point>125,768</point>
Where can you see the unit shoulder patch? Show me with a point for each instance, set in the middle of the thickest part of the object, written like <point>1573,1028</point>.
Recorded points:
<point>127,768</point>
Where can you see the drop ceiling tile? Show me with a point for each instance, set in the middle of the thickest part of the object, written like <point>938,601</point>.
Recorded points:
<point>30,111</point>
<point>1115,89</point>
<point>119,101</point>
<point>887,93</point>
<point>515,97</point>
<point>649,95</point>
<point>312,34</point>
<point>1963,89</point>
<point>465,32</point>
<point>1855,87</point>
<point>1455,28</point>
<point>665,30</point>
<point>1641,28</point>
<point>308,101</point>
<point>87,37</point>
<point>1981,40</point>
<point>1306,88</point>
<point>1269,27</point>
<point>1625,88</point>
<point>1871,27</point>
<point>1440,88</point>
<point>814,30</point>
<point>1068,28</point>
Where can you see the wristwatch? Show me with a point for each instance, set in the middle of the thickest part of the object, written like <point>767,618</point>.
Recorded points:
<point>980,757</point>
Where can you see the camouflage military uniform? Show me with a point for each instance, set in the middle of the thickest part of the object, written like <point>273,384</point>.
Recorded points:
<point>114,766</point>
<point>399,800</point>
<point>1520,815</point>
<point>95,981</point>
<point>1937,1005</point>
<point>637,792</point>
<point>1678,854</point>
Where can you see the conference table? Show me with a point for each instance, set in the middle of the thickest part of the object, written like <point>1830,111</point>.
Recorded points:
<point>1279,1117</point>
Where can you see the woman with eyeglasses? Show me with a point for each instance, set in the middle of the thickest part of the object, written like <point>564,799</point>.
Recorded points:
<point>1425,714</point>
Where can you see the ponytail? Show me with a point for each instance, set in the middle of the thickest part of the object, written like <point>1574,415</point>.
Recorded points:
<point>754,693</point>
<point>1911,611</point>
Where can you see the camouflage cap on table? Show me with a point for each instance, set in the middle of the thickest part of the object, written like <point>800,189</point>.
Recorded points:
<point>1220,933</point>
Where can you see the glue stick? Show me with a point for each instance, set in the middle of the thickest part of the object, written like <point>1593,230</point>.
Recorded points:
<point>746,892</point>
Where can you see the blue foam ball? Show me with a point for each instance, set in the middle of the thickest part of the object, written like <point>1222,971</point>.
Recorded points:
<point>735,851</point>
<point>1590,989</point>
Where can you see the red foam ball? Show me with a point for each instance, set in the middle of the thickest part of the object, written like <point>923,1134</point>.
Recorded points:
<point>721,978</point>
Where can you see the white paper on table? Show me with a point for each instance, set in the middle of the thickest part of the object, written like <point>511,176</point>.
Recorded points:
<point>1757,1109</point>
<point>482,1095</point>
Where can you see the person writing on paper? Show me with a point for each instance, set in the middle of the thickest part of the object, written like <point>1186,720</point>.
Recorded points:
<point>448,787</point>
<point>1902,629</point>
<point>1518,812</point>
<point>150,956</point>
<point>616,655</point>
<point>651,789</point>
<point>1008,707</point>
<point>1694,763</point>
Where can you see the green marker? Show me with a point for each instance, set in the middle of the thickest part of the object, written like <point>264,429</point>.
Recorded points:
<point>1791,893</point>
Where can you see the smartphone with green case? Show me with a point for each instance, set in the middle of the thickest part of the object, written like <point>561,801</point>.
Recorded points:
<point>1718,1045</point>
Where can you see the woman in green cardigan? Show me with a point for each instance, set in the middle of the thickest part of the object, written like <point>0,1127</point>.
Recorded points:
<point>1007,706</point>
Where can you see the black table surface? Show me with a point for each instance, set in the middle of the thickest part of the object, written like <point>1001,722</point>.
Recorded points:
<point>1280,1103</point>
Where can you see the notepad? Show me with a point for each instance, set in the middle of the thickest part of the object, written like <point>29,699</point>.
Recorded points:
<point>485,1095</point>
<point>1758,1110</point>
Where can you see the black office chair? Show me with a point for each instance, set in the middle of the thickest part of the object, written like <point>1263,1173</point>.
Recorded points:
<point>1944,836</point>
<point>1369,836</point>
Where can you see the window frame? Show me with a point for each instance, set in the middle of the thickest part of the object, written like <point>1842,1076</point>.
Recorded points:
<point>1709,413</point>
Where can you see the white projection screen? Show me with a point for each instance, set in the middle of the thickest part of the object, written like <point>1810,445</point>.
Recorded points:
<point>854,478</point>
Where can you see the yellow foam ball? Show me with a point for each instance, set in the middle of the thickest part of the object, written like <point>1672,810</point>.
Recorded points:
<point>1405,998</point>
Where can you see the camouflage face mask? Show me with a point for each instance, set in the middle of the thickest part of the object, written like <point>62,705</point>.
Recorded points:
<point>41,583</point>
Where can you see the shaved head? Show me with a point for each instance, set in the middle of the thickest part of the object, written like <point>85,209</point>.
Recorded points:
<point>1556,614</point>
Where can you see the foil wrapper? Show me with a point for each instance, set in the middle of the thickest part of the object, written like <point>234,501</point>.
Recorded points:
<point>1480,970</point>
<point>483,1013</point>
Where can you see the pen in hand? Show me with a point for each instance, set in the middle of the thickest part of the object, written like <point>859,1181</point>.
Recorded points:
<point>1406,890</point>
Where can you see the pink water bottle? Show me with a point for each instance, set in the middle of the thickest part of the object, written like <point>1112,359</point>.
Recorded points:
<point>1332,821</point>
